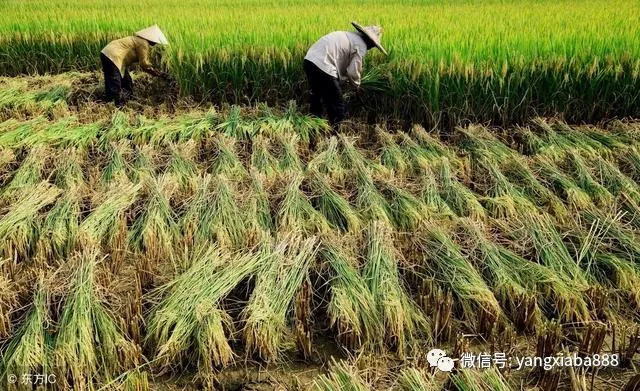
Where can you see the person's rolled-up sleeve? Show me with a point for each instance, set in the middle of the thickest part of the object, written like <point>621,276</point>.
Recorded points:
<point>355,68</point>
<point>143,56</point>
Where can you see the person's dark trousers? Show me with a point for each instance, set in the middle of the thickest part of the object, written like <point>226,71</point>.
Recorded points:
<point>114,83</point>
<point>325,91</point>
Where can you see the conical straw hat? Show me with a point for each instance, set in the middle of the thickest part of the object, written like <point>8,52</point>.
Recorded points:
<point>374,33</point>
<point>153,34</point>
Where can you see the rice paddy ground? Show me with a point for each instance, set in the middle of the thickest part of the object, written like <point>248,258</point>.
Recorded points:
<point>503,61</point>
<point>174,244</point>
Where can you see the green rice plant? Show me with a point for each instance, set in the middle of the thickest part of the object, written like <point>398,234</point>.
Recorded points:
<point>261,158</point>
<point>341,377</point>
<point>68,172</point>
<point>391,155</point>
<point>288,145</point>
<point>353,310</point>
<point>408,212</point>
<point>235,126</point>
<point>335,209</point>
<point>460,199</point>
<point>296,213</point>
<point>89,348</point>
<point>272,298</point>
<point>59,229</point>
<point>182,165</point>
<point>443,258</point>
<point>29,350</point>
<point>575,197</point>
<point>583,177</point>
<point>475,380</point>
<point>412,379</point>
<point>20,225</point>
<point>403,321</point>
<point>225,159</point>
<point>30,172</point>
<point>188,320</point>
<point>155,230</point>
<point>329,163</point>
<point>107,223</point>
<point>117,166</point>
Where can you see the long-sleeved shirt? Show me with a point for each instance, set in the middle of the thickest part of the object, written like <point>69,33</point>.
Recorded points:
<point>339,54</point>
<point>126,51</point>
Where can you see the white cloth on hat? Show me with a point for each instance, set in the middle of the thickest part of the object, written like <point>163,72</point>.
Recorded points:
<point>340,55</point>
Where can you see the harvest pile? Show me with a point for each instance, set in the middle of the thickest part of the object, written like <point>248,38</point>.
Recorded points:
<point>190,242</point>
<point>450,61</point>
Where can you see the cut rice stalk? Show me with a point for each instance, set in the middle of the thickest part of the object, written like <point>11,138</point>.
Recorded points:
<point>331,204</point>
<point>296,212</point>
<point>228,222</point>
<point>341,377</point>
<point>420,158</point>
<point>189,314</point>
<point>598,193</point>
<point>30,172</point>
<point>352,307</point>
<point>197,222</point>
<point>60,227</point>
<point>226,160</point>
<point>261,158</point>
<point>272,298</point>
<point>89,348</point>
<point>408,212</point>
<point>289,159</point>
<point>391,155</point>
<point>430,194</point>
<point>329,162</point>
<point>28,351</point>
<point>117,166</point>
<point>19,226</point>
<point>444,259</point>
<point>575,197</point>
<point>412,379</point>
<point>183,166</point>
<point>68,172</point>
<point>259,211</point>
<point>403,321</point>
<point>461,200</point>
<point>474,380</point>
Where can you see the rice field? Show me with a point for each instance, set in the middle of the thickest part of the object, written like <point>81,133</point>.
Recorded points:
<point>147,246</point>
<point>450,61</point>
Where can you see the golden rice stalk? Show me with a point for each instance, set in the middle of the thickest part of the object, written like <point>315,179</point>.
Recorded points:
<point>296,212</point>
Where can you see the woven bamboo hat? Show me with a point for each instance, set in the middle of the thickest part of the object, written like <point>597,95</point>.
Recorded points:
<point>153,34</point>
<point>374,33</point>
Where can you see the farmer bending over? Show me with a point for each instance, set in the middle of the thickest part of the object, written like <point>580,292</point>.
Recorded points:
<point>118,55</point>
<point>337,57</point>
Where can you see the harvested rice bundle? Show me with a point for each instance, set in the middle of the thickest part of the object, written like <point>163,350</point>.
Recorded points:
<point>89,348</point>
<point>155,229</point>
<point>261,158</point>
<point>272,298</point>
<point>629,160</point>
<point>118,129</point>
<point>408,212</point>
<point>583,177</point>
<point>228,222</point>
<point>288,146</point>
<point>7,158</point>
<point>329,162</point>
<point>30,172</point>
<point>432,145</point>
<point>60,227</point>
<point>196,127</point>
<point>460,199</point>
<point>117,166</point>
<point>616,236</point>
<point>20,224</point>
<point>13,132</point>
<point>296,213</point>
<point>614,180</point>
<point>235,126</point>
<point>475,380</point>
<point>618,273</point>
<point>331,204</point>
<point>528,142</point>
<point>182,165</point>
<point>258,213</point>
<point>412,379</point>
<point>341,377</point>
<point>188,317</point>
<point>391,155</point>
<point>420,158</point>
<point>430,194</point>
<point>352,308</point>
<point>29,349</point>
<point>225,160</point>
<point>444,259</point>
<point>197,222</point>
<point>8,301</point>
<point>74,135</point>
<point>403,320</point>
<point>107,223</point>
<point>305,126</point>
<point>68,172</point>
<point>144,162</point>
<point>575,197</point>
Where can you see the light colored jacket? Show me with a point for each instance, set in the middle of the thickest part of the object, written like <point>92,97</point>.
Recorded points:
<point>125,51</point>
<point>340,55</point>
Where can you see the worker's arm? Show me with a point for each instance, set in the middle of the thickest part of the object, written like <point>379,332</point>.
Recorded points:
<point>355,69</point>
<point>143,59</point>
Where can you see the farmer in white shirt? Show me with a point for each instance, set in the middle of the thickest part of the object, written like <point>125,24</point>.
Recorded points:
<point>335,58</point>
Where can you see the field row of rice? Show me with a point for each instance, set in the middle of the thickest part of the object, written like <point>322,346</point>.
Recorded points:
<point>501,61</point>
<point>189,242</point>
